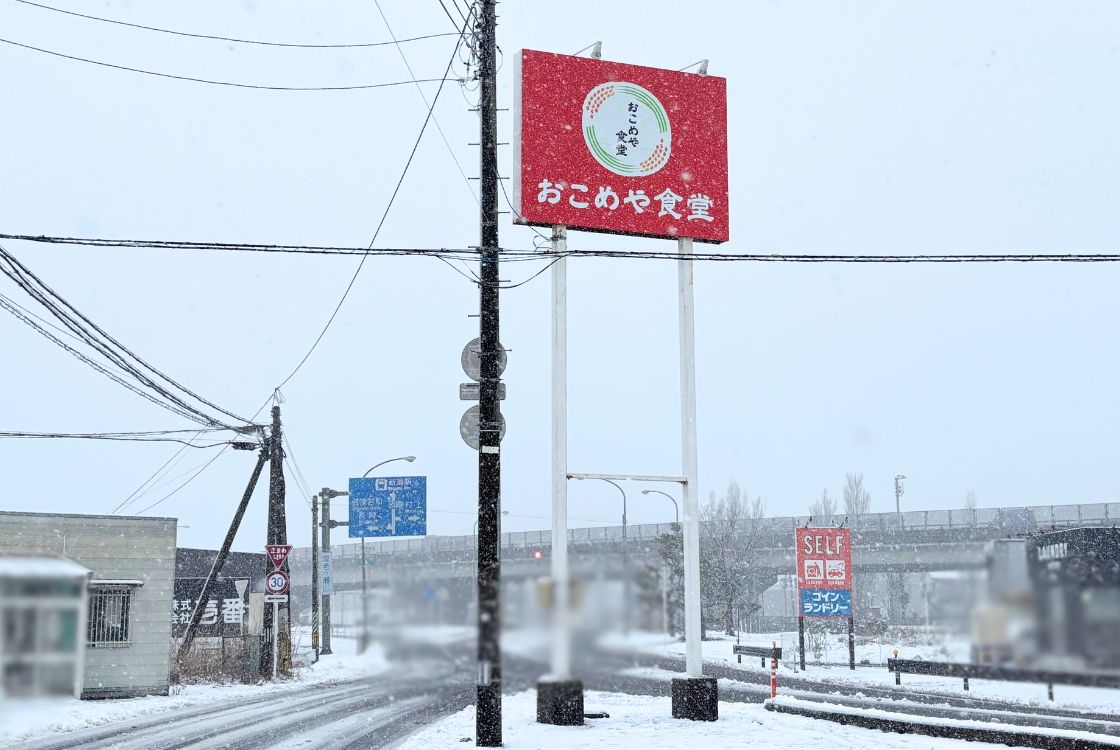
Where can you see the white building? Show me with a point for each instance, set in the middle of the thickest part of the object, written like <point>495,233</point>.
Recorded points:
<point>85,605</point>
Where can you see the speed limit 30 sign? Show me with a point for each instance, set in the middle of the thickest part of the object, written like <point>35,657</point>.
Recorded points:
<point>276,582</point>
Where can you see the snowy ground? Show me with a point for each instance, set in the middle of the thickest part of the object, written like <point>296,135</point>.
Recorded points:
<point>718,650</point>
<point>644,722</point>
<point>23,720</point>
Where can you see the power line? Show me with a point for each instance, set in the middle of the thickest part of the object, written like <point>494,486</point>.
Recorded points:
<point>96,365</point>
<point>106,345</point>
<point>136,493</point>
<point>231,39</point>
<point>381,223</point>
<point>234,84</point>
<point>123,437</point>
<point>516,254</point>
<point>194,476</point>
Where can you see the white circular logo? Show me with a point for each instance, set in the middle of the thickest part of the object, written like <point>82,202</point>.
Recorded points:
<point>626,129</point>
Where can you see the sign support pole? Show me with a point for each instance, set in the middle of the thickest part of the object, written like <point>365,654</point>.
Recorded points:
<point>694,697</point>
<point>851,642</point>
<point>275,639</point>
<point>801,640</point>
<point>559,697</point>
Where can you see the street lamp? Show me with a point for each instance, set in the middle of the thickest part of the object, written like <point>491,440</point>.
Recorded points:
<point>898,492</point>
<point>664,572</point>
<point>365,592</point>
<point>676,509</point>
<point>625,561</point>
<point>327,494</point>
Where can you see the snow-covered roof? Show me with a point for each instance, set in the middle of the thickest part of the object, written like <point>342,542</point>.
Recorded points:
<point>115,582</point>
<point>12,566</point>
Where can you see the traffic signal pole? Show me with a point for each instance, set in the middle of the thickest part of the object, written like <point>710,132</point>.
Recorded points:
<point>488,721</point>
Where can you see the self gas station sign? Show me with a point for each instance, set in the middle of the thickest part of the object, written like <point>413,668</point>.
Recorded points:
<point>824,572</point>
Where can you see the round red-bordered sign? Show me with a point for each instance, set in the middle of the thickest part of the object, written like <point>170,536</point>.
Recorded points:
<point>276,582</point>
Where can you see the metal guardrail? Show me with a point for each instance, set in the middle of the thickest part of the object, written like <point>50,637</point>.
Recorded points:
<point>1003,520</point>
<point>774,652</point>
<point>1003,674</point>
<point>1021,737</point>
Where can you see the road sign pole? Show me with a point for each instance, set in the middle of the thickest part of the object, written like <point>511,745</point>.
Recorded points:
<point>559,697</point>
<point>364,644</point>
<point>851,642</point>
<point>275,639</point>
<point>801,640</point>
<point>695,697</point>
<point>561,640</point>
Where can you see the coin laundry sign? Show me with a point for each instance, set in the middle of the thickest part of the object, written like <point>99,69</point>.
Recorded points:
<point>617,148</point>
<point>824,572</point>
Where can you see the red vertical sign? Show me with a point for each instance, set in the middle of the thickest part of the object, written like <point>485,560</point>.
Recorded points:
<point>824,571</point>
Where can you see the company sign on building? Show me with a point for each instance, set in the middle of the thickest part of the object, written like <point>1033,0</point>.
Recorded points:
<point>824,572</point>
<point>608,147</point>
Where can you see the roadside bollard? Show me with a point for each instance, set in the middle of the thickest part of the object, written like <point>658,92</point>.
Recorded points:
<point>774,669</point>
<point>966,683</point>
<point>1050,690</point>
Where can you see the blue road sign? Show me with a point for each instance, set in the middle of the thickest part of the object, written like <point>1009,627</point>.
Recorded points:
<point>389,506</point>
<point>826,602</point>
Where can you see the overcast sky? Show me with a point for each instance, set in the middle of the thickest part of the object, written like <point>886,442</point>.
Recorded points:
<point>871,127</point>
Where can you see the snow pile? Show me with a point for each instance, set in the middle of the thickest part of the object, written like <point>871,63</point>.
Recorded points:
<point>23,720</point>
<point>940,721</point>
<point>645,722</point>
<point>718,650</point>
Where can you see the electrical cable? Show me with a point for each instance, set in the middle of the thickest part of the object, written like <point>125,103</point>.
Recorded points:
<point>26,272</point>
<point>136,493</point>
<point>234,84</point>
<point>448,13</point>
<point>380,224</point>
<point>435,121</point>
<point>230,39</point>
<point>98,366</point>
<point>194,476</point>
<point>124,437</point>
<point>518,254</point>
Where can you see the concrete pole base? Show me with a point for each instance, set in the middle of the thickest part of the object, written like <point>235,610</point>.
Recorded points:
<point>695,698</point>
<point>560,703</point>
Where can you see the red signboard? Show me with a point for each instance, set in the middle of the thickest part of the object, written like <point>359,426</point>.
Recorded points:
<point>608,147</point>
<point>824,558</point>
<point>278,553</point>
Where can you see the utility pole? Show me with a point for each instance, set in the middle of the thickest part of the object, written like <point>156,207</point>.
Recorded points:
<point>277,534</point>
<point>488,721</point>
<point>325,524</point>
<point>315,575</point>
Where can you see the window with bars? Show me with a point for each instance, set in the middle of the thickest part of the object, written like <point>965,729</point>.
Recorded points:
<point>109,616</point>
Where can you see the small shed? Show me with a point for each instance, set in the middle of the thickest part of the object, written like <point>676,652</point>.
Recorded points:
<point>43,614</point>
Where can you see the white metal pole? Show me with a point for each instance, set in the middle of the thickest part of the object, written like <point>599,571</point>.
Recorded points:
<point>694,663</point>
<point>275,640</point>
<point>561,636</point>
